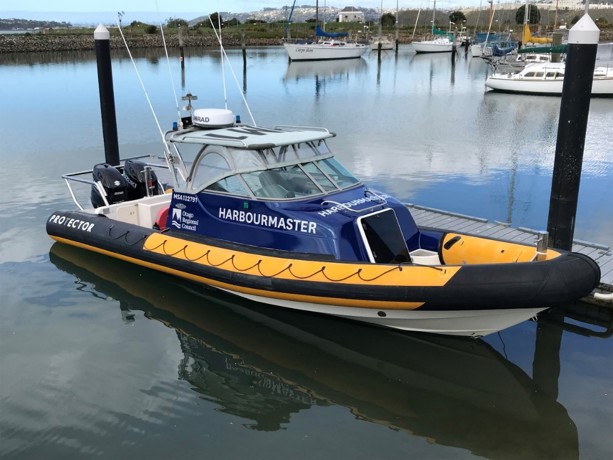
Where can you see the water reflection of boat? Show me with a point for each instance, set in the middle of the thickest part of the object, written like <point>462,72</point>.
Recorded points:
<point>264,365</point>
<point>329,70</point>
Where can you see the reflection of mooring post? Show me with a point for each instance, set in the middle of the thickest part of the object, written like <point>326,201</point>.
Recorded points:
<point>102,39</point>
<point>572,126</point>
<point>546,364</point>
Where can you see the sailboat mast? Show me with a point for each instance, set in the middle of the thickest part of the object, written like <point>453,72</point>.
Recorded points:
<point>381,20</point>
<point>433,16</point>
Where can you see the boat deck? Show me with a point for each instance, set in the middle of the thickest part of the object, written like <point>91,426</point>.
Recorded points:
<point>430,217</point>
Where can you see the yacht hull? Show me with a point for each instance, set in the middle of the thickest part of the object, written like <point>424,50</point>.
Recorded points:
<point>323,52</point>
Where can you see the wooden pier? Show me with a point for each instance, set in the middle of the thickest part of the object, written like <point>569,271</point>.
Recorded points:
<point>429,217</point>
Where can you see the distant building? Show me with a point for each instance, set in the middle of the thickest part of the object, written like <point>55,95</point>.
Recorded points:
<point>350,14</point>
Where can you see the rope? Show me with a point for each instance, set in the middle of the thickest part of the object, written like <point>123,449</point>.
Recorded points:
<point>172,81</point>
<point>258,265</point>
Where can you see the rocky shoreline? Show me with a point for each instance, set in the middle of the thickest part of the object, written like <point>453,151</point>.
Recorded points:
<point>34,43</point>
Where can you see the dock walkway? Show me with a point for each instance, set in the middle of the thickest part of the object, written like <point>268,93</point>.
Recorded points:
<point>429,217</point>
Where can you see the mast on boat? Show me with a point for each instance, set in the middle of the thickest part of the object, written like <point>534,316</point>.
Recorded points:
<point>433,16</point>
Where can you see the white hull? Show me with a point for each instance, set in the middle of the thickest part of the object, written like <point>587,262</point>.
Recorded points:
<point>524,82</point>
<point>476,50</point>
<point>473,323</point>
<point>433,46</point>
<point>325,51</point>
<point>385,44</point>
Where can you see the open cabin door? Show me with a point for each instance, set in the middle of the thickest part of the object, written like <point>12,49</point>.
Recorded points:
<point>383,238</point>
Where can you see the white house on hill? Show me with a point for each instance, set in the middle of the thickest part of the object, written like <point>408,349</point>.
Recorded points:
<point>350,14</point>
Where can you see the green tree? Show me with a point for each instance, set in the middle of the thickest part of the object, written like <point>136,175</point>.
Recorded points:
<point>457,17</point>
<point>176,22</point>
<point>215,19</point>
<point>534,15</point>
<point>388,20</point>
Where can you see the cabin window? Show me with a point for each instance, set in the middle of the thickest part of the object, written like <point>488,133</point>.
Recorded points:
<point>209,167</point>
<point>231,184</point>
<point>322,147</point>
<point>288,182</point>
<point>245,160</point>
<point>337,172</point>
<point>318,175</point>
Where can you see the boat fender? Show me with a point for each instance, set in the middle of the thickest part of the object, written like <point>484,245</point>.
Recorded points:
<point>602,296</point>
<point>161,219</point>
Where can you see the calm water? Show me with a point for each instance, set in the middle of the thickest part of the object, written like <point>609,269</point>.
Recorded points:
<point>99,358</point>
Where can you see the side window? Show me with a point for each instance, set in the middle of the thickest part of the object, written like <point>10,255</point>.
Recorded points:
<point>212,165</point>
<point>231,184</point>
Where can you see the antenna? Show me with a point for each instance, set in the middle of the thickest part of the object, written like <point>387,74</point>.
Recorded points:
<point>172,82</point>
<point>167,154</point>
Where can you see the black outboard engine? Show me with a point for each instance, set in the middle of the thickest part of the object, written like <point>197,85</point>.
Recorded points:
<point>142,181</point>
<point>113,182</point>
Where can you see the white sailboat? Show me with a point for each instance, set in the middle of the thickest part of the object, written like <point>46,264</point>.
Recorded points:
<point>328,46</point>
<point>380,40</point>
<point>440,44</point>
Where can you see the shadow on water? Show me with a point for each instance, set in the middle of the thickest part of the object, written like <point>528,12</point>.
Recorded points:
<point>265,364</point>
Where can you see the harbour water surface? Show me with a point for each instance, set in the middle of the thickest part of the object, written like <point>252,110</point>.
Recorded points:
<point>100,358</point>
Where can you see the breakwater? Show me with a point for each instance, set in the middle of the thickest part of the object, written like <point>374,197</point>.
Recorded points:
<point>32,43</point>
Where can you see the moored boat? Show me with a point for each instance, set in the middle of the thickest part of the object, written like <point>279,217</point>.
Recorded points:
<point>270,215</point>
<point>327,46</point>
<point>323,50</point>
<point>442,42</point>
<point>383,42</point>
<point>437,45</point>
<point>546,78</point>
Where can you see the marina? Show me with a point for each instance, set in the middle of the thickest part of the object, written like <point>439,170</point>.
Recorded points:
<point>129,352</point>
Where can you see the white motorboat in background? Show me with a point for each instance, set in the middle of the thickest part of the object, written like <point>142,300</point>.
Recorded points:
<point>547,78</point>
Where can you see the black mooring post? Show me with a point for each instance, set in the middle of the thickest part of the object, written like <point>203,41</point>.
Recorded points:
<point>574,109</point>
<point>107,97</point>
